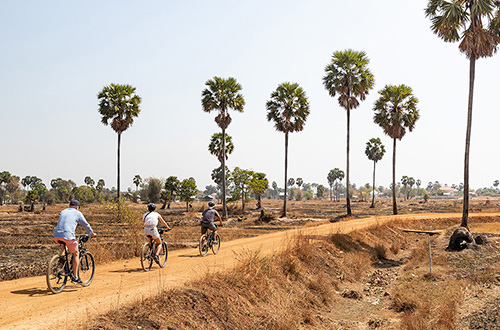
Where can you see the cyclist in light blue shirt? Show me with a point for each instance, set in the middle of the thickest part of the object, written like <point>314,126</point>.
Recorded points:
<point>65,232</point>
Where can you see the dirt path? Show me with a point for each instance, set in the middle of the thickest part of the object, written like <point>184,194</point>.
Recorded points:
<point>26,304</point>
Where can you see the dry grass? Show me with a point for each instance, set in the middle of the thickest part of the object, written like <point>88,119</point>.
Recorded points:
<point>284,291</point>
<point>428,304</point>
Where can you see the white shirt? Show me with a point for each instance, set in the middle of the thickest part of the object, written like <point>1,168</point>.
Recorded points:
<point>150,219</point>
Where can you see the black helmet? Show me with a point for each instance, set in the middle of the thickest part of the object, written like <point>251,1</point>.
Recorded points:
<point>151,207</point>
<point>211,204</point>
<point>74,202</point>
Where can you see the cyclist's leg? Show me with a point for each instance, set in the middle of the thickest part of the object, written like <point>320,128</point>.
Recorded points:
<point>158,245</point>
<point>76,260</point>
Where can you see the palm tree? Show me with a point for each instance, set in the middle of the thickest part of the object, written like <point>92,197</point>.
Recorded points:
<point>215,146</point>
<point>222,95</point>
<point>375,150</point>
<point>476,24</point>
<point>396,111</point>
<point>331,181</point>
<point>137,180</point>
<point>118,106</point>
<point>348,75</point>
<point>288,108</point>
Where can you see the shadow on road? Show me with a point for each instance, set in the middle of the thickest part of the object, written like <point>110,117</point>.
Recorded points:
<point>36,292</point>
<point>189,255</point>
<point>135,270</point>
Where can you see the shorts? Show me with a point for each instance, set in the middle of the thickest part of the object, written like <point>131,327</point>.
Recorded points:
<point>152,231</point>
<point>205,226</point>
<point>70,243</point>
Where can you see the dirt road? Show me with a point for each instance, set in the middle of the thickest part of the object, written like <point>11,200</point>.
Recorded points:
<point>26,304</point>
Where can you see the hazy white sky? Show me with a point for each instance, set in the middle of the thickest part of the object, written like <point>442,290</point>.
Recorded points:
<point>56,56</point>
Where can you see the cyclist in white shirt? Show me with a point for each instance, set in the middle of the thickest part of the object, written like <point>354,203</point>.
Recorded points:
<point>150,221</point>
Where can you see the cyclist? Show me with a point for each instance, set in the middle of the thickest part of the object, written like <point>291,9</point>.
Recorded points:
<point>208,218</point>
<point>150,220</point>
<point>65,232</point>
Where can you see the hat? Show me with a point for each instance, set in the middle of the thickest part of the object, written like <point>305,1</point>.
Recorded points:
<point>74,202</point>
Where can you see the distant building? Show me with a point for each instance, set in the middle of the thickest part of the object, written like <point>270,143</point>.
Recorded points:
<point>448,191</point>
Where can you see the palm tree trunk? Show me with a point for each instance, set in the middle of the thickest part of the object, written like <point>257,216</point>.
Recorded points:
<point>118,170</point>
<point>348,200</point>
<point>224,207</point>
<point>394,203</point>
<point>283,214</point>
<point>465,213</point>
<point>373,188</point>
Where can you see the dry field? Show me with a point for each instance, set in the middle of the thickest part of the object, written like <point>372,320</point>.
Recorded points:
<point>375,278</point>
<point>26,245</point>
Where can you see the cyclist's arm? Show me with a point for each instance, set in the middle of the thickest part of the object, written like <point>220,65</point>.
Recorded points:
<point>164,222</point>
<point>83,222</point>
<point>220,219</point>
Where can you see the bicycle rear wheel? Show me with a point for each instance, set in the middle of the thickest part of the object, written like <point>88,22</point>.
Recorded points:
<point>56,274</point>
<point>216,244</point>
<point>203,245</point>
<point>86,268</point>
<point>146,259</point>
<point>163,254</point>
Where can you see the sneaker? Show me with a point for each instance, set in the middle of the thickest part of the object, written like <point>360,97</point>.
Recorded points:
<point>157,259</point>
<point>76,280</point>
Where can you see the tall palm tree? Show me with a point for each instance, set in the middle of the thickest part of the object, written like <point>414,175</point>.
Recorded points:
<point>375,150</point>
<point>288,108</point>
<point>476,24</point>
<point>221,95</point>
<point>348,75</point>
<point>396,111</point>
<point>118,106</point>
<point>215,146</point>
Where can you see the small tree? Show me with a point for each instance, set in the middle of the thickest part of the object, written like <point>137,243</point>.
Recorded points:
<point>31,197</point>
<point>259,184</point>
<point>153,189</point>
<point>172,186</point>
<point>320,191</point>
<point>187,191</point>
<point>241,180</point>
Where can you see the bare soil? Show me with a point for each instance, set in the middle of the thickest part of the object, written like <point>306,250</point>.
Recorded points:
<point>26,247</point>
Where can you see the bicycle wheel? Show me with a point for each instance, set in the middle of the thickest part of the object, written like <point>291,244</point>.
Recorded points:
<point>203,245</point>
<point>163,254</point>
<point>56,274</point>
<point>216,244</point>
<point>86,268</point>
<point>146,259</point>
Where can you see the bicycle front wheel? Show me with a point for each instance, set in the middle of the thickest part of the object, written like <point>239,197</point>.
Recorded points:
<point>203,245</point>
<point>163,255</point>
<point>146,259</point>
<point>86,268</point>
<point>216,244</point>
<point>56,274</point>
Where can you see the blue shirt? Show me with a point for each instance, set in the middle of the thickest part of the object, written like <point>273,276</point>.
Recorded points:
<point>68,220</point>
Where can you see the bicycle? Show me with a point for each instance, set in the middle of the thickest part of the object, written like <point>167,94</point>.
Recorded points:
<point>208,241</point>
<point>61,266</point>
<point>148,252</point>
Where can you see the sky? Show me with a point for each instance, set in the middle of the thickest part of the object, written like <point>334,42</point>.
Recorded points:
<point>57,56</point>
